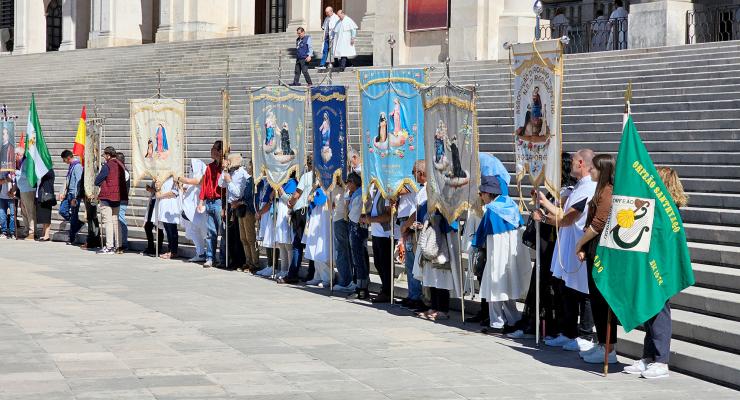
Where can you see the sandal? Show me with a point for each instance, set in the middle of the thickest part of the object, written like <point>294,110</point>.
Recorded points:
<point>440,316</point>
<point>165,256</point>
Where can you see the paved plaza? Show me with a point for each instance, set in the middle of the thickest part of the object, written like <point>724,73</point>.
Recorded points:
<point>75,325</point>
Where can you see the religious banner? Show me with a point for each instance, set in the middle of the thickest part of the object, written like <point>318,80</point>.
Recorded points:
<point>157,138</point>
<point>451,149</point>
<point>538,70</point>
<point>91,160</point>
<point>7,149</point>
<point>392,118</point>
<point>278,132</point>
<point>329,105</point>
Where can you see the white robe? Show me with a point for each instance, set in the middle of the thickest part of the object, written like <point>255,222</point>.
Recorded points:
<point>508,267</point>
<point>167,210</point>
<point>329,24</point>
<point>316,236</point>
<point>196,228</point>
<point>343,46</point>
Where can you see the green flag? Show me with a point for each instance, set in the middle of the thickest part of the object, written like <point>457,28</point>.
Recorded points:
<point>642,259</point>
<point>38,160</point>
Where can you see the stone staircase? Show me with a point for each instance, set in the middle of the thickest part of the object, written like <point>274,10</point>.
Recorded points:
<point>686,106</point>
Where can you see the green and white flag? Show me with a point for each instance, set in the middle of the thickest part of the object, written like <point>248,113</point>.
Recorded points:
<point>642,259</point>
<point>38,160</point>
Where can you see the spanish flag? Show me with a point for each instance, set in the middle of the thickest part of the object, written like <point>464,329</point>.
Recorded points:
<point>79,147</point>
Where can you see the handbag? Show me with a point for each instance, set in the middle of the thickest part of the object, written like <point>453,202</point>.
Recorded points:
<point>433,244</point>
<point>479,260</point>
<point>47,198</point>
<point>529,237</point>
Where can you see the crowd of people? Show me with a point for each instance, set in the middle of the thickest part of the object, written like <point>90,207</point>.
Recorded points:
<point>233,220</point>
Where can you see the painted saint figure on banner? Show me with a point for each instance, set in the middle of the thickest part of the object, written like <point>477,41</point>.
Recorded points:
<point>450,167</point>
<point>270,124</point>
<point>162,148</point>
<point>535,129</point>
<point>325,130</point>
<point>7,150</point>
<point>286,153</point>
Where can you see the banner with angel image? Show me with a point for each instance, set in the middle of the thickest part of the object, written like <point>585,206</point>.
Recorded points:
<point>538,69</point>
<point>278,132</point>
<point>451,149</point>
<point>329,108</point>
<point>157,138</point>
<point>392,119</point>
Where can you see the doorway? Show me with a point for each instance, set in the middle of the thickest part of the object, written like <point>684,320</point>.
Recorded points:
<point>336,5</point>
<point>54,25</point>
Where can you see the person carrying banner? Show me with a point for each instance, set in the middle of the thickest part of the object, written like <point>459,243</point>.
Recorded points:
<point>234,180</point>
<point>342,249</point>
<point>167,208</point>
<point>602,172</point>
<point>281,231</point>
<point>358,237</point>
<point>378,217</point>
<point>247,222</point>
<point>298,217</point>
<point>210,201</point>
<point>266,223</point>
<point>194,221</point>
<point>565,266</point>
<point>149,226</point>
<point>316,238</point>
<point>409,226</point>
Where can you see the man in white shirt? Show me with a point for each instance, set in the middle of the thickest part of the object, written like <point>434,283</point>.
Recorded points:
<point>299,204</point>
<point>559,24</point>
<point>618,25</point>
<point>565,265</point>
<point>328,26</point>
<point>234,179</point>
<point>379,219</point>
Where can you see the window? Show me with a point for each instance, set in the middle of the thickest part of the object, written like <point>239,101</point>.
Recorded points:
<point>54,25</point>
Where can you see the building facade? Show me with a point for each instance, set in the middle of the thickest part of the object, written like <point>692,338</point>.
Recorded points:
<point>473,30</point>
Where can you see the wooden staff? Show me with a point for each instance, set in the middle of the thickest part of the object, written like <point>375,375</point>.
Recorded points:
<point>606,346</point>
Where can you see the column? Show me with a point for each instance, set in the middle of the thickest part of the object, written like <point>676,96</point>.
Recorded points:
<point>304,13</point>
<point>69,30</point>
<point>515,24</point>
<point>368,20</point>
<point>30,27</point>
<point>164,31</point>
<point>654,23</point>
<point>115,23</point>
<point>241,18</point>
<point>392,14</point>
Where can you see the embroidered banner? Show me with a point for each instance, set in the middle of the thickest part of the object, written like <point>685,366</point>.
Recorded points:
<point>278,132</point>
<point>451,149</point>
<point>91,163</point>
<point>392,118</point>
<point>7,149</point>
<point>538,70</point>
<point>329,107</point>
<point>157,138</point>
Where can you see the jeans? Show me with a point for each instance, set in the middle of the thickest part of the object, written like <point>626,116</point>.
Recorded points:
<point>325,54</point>
<point>414,284</point>
<point>658,332</point>
<point>358,248</point>
<point>213,217</point>
<point>7,219</point>
<point>172,237</point>
<point>74,221</point>
<point>342,252</point>
<point>301,66</point>
<point>123,226</point>
<point>299,226</point>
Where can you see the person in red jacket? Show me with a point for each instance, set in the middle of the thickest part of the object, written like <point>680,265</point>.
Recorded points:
<point>210,201</point>
<point>113,189</point>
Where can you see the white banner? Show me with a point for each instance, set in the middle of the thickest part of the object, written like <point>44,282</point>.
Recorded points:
<point>538,70</point>
<point>157,139</point>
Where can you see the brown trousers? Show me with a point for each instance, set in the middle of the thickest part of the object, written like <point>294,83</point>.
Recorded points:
<point>248,236</point>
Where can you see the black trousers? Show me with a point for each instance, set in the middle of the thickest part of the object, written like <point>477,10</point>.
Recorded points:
<point>658,332</point>
<point>301,66</point>
<point>149,231</point>
<point>173,239</point>
<point>575,303</point>
<point>342,63</point>
<point>440,299</point>
<point>93,225</point>
<point>599,306</point>
<point>382,257</point>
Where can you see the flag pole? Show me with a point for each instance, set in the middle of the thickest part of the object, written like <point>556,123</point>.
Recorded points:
<point>331,245</point>
<point>393,249</point>
<point>537,262</point>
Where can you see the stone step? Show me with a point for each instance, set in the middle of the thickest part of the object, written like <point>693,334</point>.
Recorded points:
<point>708,233</point>
<point>716,254</point>
<point>711,216</point>
<point>718,303</point>
<point>717,277</point>
<point>706,363</point>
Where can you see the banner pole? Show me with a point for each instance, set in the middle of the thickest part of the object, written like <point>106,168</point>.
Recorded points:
<point>331,246</point>
<point>274,233</point>
<point>462,277</point>
<point>393,260</point>
<point>537,276</point>
<point>607,344</point>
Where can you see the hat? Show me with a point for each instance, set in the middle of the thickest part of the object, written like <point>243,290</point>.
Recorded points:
<point>489,184</point>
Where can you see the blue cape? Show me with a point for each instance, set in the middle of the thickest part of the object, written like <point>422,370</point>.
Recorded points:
<point>492,166</point>
<point>319,199</point>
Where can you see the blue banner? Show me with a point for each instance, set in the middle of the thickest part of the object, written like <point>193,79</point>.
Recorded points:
<point>392,120</point>
<point>278,138</point>
<point>329,106</point>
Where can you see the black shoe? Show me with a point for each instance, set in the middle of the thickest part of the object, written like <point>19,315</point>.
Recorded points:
<point>381,298</point>
<point>485,322</point>
<point>491,331</point>
<point>420,307</point>
<point>508,329</point>
<point>407,303</point>
<point>476,318</point>
<point>287,281</point>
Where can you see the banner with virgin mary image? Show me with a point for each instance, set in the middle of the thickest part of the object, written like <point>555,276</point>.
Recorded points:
<point>157,139</point>
<point>7,148</point>
<point>451,149</point>
<point>538,70</point>
<point>329,109</point>
<point>278,132</point>
<point>92,157</point>
<point>392,119</point>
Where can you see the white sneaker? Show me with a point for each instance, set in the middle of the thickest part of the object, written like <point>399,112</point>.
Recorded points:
<point>637,368</point>
<point>597,357</point>
<point>208,264</point>
<point>559,341</point>
<point>197,259</point>
<point>578,344</point>
<point>324,285</point>
<point>656,370</point>
<point>106,251</point>
<point>594,348</point>
<point>313,282</point>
